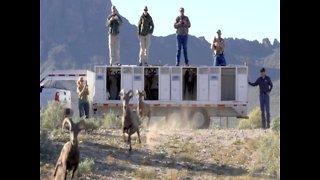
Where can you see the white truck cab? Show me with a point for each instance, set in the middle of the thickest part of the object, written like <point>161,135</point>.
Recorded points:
<point>53,94</point>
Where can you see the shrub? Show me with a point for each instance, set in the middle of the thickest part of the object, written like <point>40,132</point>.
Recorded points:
<point>92,124</point>
<point>85,167</point>
<point>254,120</point>
<point>46,146</point>
<point>267,156</point>
<point>51,118</point>
<point>143,173</point>
<point>275,124</point>
<point>111,121</point>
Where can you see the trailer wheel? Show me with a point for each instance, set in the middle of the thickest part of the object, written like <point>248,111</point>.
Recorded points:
<point>199,119</point>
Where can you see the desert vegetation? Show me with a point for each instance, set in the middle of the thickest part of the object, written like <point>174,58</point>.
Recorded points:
<point>164,153</point>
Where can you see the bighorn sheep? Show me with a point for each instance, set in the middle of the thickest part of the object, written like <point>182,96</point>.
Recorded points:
<point>190,79</point>
<point>113,77</point>
<point>148,83</point>
<point>130,119</point>
<point>143,109</point>
<point>70,155</point>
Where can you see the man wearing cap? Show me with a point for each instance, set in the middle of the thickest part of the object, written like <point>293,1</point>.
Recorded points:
<point>182,24</point>
<point>265,86</point>
<point>218,49</point>
<point>145,29</point>
<point>113,23</point>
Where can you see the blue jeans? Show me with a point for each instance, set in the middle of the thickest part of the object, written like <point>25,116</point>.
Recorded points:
<point>182,40</point>
<point>265,107</point>
<point>219,60</point>
<point>84,109</point>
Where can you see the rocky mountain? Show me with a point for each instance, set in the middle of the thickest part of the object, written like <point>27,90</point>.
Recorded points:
<point>73,35</point>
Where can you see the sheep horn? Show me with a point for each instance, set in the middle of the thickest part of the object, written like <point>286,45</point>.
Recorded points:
<point>130,92</point>
<point>67,120</point>
<point>121,92</point>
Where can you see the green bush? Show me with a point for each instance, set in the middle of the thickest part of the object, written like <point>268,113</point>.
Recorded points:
<point>254,120</point>
<point>51,118</point>
<point>275,124</point>
<point>46,146</point>
<point>111,121</point>
<point>85,167</point>
<point>92,124</point>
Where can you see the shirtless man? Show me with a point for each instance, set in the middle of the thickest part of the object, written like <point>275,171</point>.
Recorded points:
<point>218,49</point>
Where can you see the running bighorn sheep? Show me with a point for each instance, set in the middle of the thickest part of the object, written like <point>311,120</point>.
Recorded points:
<point>143,108</point>
<point>130,119</point>
<point>70,155</point>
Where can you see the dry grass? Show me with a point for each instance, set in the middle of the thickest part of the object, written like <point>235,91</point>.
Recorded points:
<point>174,154</point>
<point>144,173</point>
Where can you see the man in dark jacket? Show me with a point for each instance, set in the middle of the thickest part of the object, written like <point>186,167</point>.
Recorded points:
<point>113,23</point>
<point>145,30</point>
<point>265,86</point>
<point>182,24</point>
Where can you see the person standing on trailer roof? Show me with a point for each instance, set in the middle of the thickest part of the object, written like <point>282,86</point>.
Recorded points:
<point>145,30</point>
<point>113,23</point>
<point>182,24</point>
<point>218,50</point>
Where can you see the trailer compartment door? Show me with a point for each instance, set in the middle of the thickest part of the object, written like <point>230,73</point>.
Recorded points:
<point>176,83</point>
<point>164,83</point>
<point>126,78</point>
<point>214,84</point>
<point>203,84</point>
<point>138,81</point>
<point>99,89</point>
<point>242,86</point>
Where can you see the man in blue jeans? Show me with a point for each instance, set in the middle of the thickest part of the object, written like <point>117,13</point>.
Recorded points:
<point>83,93</point>
<point>218,49</point>
<point>265,86</point>
<point>182,24</point>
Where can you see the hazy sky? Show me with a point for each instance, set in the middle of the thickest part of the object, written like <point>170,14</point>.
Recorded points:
<point>248,19</point>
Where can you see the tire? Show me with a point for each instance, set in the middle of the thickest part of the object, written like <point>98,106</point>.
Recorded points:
<point>199,119</point>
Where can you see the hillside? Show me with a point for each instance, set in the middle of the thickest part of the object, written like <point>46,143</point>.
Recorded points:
<point>73,36</point>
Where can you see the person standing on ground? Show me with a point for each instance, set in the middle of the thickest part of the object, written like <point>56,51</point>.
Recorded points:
<point>218,49</point>
<point>182,24</point>
<point>145,30</point>
<point>113,23</point>
<point>83,93</point>
<point>265,85</point>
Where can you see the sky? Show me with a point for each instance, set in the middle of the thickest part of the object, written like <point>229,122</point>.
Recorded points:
<point>247,19</point>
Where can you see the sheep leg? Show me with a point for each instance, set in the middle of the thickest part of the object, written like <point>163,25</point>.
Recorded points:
<point>138,132</point>
<point>74,170</point>
<point>148,119</point>
<point>124,138</point>
<point>123,134</point>
<point>55,171</point>
<point>129,139</point>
